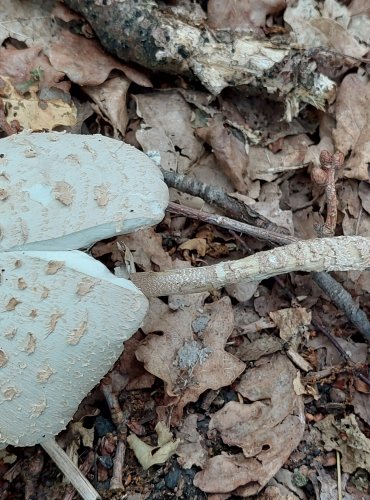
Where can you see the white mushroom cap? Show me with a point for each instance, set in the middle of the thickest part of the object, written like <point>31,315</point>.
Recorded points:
<point>65,191</point>
<point>64,318</point>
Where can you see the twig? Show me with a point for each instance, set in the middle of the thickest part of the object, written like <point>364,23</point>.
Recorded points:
<point>237,210</point>
<point>319,326</point>
<point>233,225</point>
<point>119,419</point>
<point>232,207</point>
<point>72,473</point>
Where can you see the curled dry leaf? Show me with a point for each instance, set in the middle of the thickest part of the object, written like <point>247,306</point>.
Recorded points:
<point>230,152</point>
<point>189,356</point>
<point>110,100</point>
<point>34,113</point>
<point>85,62</point>
<point>30,67</point>
<point>326,29</point>
<point>346,437</point>
<point>241,14</point>
<point>291,323</point>
<point>267,430</point>
<point>151,455</point>
<point>352,132</point>
<point>167,128</point>
<point>191,450</point>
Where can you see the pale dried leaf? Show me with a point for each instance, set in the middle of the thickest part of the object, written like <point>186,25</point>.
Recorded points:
<point>291,323</point>
<point>229,151</point>
<point>167,128</point>
<point>353,125</point>
<point>241,14</point>
<point>34,114</point>
<point>151,455</point>
<point>110,98</point>
<point>361,405</point>
<point>85,62</point>
<point>346,437</point>
<point>189,356</point>
<point>191,450</point>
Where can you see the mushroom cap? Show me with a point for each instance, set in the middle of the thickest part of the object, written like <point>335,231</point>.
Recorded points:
<point>64,318</point>
<point>63,191</point>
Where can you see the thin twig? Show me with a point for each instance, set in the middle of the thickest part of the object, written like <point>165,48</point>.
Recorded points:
<point>241,212</point>
<point>119,419</point>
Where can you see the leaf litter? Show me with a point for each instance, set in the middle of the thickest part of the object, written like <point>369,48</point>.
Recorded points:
<point>218,386</point>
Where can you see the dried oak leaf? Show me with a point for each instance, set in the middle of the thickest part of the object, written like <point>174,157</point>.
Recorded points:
<point>167,129</point>
<point>27,67</point>
<point>110,101</point>
<point>191,450</point>
<point>189,356</point>
<point>345,436</point>
<point>352,133</point>
<point>85,62</point>
<point>241,14</point>
<point>267,430</point>
<point>229,151</point>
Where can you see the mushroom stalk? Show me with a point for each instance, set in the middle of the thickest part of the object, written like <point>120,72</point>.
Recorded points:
<point>343,253</point>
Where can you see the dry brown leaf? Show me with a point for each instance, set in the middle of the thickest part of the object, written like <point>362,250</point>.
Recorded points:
<point>247,476</point>
<point>229,151</point>
<point>265,165</point>
<point>167,129</point>
<point>258,345</point>
<point>131,369</point>
<point>291,322</point>
<point>361,405</point>
<point>30,67</point>
<point>37,29</point>
<point>191,450</point>
<point>325,29</point>
<point>85,62</point>
<point>352,133</point>
<point>267,430</point>
<point>110,100</point>
<point>197,244</point>
<point>356,351</point>
<point>346,437</point>
<point>189,356</point>
<point>241,14</point>
<point>35,114</point>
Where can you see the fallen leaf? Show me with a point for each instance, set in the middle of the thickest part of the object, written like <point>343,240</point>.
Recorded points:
<point>110,100</point>
<point>189,355</point>
<point>267,430</point>
<point>151,455</point>
<point>167,128</point>
<point>292,322</point>
<point>345,436</point>
<point>241,14</point>
<point>353,125</point>
<point>229,151</point>
<point>85,62</point>
<point>191,450</point>
<point>361,405</point>
<point>36,114</point>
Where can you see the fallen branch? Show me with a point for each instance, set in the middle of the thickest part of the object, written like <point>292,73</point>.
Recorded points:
<point>140,31</point>
<point>238,210</point>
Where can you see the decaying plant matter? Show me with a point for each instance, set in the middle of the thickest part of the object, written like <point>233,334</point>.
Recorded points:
<point>140,31</point>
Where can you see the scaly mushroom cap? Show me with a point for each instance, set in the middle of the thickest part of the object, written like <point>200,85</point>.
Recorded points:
<point>64,318</point>
<point>65,191</point>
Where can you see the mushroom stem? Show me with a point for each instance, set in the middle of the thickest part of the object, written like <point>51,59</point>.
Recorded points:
<point>343,253</point>
<point>69,469</point>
